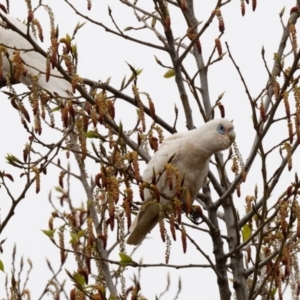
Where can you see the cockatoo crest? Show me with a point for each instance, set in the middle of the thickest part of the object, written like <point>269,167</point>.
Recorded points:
<point>189,153</point>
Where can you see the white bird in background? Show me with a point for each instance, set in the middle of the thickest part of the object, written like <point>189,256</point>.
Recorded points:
<point>191,153</point>
<point>34,62</point>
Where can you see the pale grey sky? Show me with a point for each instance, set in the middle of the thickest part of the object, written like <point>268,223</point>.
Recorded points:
<point>102,55</point>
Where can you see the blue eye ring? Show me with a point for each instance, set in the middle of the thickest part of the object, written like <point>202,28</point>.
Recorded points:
<point>221,129</point>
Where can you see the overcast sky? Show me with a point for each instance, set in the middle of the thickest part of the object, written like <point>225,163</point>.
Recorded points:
<point>103,55</point>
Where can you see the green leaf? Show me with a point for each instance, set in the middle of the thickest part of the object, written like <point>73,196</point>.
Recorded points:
<point>273,292</point>
<point>79,279</point>
<point>125,259</point>
<point>74,50</point>
<point>81,233</point>
<point>1,266</point>
<point>170,73</point>
<point>138,71</point>
<point>68,38</point>
<point>135,72</point>
<point>59,189</point>
<point>92,135</point>
<point>246,232</point>
<point>12,159</point>
<point>49,233</point>
<point>78,26</point>
<point>74,238</point>
<point>55,109</point>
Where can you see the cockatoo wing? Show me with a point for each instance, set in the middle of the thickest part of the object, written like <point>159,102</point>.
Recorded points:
<point>34,62</point>
<point>161,157</point>
<point>148,216</point>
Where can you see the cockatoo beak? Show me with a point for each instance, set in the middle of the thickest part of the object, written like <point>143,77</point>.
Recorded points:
<point>231,135</point>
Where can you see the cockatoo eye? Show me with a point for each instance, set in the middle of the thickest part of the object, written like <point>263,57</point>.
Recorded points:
<point>221,129</point>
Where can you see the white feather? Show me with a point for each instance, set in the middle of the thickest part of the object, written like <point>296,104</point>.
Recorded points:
<point>35,63</point>
<point>192,150</point>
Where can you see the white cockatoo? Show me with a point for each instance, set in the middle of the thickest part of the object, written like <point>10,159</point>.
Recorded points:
<point>189,152</point>
<point>34,62</point>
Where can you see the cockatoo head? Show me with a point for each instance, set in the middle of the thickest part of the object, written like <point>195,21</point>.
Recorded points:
<point>219,134</point>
